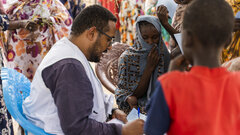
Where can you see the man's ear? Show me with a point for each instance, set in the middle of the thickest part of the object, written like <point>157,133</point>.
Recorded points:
<point>92,33</point>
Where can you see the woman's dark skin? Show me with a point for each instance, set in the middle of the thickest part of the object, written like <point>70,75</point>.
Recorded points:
<point>162,13</point>
<point>29,25</point>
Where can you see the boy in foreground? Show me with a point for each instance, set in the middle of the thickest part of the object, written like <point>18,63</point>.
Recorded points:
<point>206,100</point>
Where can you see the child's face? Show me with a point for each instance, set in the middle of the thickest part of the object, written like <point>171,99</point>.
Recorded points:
<point>150,34</point>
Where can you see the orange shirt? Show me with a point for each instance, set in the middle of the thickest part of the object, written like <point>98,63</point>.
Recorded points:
<point>203,101</point>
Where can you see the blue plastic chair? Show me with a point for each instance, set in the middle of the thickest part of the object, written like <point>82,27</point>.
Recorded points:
<point>16,87</point>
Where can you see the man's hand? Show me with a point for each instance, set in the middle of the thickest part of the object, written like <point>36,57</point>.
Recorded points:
<point>132,101</point>
<point>237,25</point>
<point>30,25</point>
<point>133,128</point>
<point>120,115</point>
<point>153,59</point>
<point>162,13</point>
<point>179,63</point>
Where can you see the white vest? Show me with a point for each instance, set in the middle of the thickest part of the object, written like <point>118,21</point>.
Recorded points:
<point>40,108</point>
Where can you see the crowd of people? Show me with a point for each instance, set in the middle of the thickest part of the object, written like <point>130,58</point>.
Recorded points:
<point>52,42</point>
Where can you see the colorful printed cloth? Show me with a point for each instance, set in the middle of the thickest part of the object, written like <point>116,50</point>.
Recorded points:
<point>73,6</point>
<point>132,64</point>
<point>2,10</point>
<point>235,5</point>
<point>113,6</point>
<point>129,11</point>
<point>4,22</point>
<point>25,50</point>
<point>233,50</point>
<point>178,17</point>
<point>6,127</point>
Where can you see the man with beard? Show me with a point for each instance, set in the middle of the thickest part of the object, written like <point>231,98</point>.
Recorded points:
<point>66,97</point>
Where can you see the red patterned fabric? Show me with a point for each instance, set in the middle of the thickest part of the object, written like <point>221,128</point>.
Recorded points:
<point>113,6</point>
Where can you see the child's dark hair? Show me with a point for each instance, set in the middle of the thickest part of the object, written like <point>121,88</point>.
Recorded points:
<point>94,15</point>
<point>212,21</point>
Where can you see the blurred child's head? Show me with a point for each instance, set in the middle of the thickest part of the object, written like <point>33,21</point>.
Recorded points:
<point>207,24</point>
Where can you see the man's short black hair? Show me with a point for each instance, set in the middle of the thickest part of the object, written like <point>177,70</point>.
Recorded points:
<point>94,15</point>
<point>212,21</point>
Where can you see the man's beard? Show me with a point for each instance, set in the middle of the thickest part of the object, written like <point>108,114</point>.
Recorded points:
<point>94,55</point>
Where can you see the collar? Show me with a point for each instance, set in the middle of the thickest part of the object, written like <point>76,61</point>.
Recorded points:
<point>209,72</point>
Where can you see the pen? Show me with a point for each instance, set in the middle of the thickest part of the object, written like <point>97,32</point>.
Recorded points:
<point>138,112</point>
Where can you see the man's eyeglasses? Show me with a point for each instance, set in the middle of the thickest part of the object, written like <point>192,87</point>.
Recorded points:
<point>111,38</point>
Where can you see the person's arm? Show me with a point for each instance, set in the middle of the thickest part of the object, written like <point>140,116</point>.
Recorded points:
<point>127,99</point>
<point>59,16</point>
<point>27,24</point>
<point>123,90</point>
<point>162,13</point>
<point>73,96</point>
<point>158,120</point>
<point>7,24</point>
<point>16,25</point>
<point>152,62</point>
<point>180,63</point>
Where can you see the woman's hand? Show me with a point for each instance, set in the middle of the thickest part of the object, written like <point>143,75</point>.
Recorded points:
<point>153,58</point>
<point>162,13</point>
<point>132,101</point>
<point>31,26</point>
<point>120,115</point>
